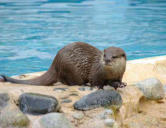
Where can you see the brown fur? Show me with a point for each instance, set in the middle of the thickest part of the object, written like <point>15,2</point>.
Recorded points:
<point>79,63</point>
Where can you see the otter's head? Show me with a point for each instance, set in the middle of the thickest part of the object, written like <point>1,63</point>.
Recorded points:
<point>113,54</point>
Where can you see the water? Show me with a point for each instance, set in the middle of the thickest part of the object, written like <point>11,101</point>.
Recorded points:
<point>31,32</point>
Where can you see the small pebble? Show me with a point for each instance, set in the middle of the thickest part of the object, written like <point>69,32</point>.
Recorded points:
<point>73,94</point>
<point>106,114</point>
<point>60,89</point>
<point>85,89</point>
<point>78,116</point>
<point>66,101</point>
<point>64,97</point>
<point>109,122</point>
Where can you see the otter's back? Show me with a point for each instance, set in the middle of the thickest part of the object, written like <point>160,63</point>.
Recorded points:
<point>76,60</point>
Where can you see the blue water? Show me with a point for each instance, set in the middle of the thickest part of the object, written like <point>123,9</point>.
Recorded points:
<point>31,32</point>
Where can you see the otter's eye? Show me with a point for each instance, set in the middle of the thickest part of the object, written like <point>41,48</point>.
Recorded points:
<point>123,55</point>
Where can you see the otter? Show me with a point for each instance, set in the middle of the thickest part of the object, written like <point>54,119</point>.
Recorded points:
<point>80,63</point>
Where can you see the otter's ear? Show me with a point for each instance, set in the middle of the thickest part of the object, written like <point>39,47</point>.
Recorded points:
<point>124,55</point>
<point>104,50</point>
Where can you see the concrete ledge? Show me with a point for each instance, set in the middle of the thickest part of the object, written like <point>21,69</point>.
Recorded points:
<point>140,69</point>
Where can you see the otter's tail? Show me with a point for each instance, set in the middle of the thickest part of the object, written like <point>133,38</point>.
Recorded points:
<point>47,78</point>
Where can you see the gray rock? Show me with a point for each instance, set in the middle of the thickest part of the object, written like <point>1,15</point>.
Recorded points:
<point>37,104</point>
<point>66,101</point>
<point>55,120</point>
<point>4,98</point>
<point>85,88</point>
<point>60,89</point>
<point>99,98</point>
<point>152,88</point>
<point>12,117</point>
<point>78,115</point>
<point>109,122</point>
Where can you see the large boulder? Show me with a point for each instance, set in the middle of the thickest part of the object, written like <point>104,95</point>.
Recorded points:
<point>152,88</point>
<point>53,120</point>
<point>12,117</point>
<point>4,99</point>
<point>100,98</point>
<point>37,103</point>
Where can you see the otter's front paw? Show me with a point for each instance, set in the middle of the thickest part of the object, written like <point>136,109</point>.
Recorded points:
<point>2,78</point>
<point>122,85</point>
<point>118,84</point>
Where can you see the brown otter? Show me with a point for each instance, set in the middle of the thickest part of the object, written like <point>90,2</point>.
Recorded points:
<point>79,63</point>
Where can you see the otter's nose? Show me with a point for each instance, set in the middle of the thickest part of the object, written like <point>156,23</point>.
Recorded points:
<point>107,60</point>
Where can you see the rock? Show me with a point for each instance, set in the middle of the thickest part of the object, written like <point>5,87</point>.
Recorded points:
<point>60,89</point>
<point>109,122</point>
<point>85,89</point>
<point>143,121</point>
<point>152,88</point>
<point>4,98</point>
<point>99,98</point>
<point>66,101</point>
<point>73,94</point>
<point>106,114</point>
<point>37,104</point>
<point>132,96</point>
<point>53,120</point>
<point>78,115</point>
<point>12,117</point>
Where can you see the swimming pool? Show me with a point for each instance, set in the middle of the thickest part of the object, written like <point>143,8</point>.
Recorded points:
<point>31,32</point>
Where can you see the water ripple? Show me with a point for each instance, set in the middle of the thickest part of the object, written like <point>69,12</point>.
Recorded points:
<point>32,31</point>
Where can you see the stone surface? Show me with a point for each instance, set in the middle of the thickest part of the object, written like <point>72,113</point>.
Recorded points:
<point>12,117</point>
<point>86,88</point>
<point>99,98</point>
<point>106,114</point>
<point>78,115</point>
<point>66,101</point>
<point>140,121</point>
<point>60,89</point>
<point>109,122</point>
<point>53,120</point>
<point>37,103</point>
<point>131,96</point>
<point>152,88</point>
<point>4,98</point>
